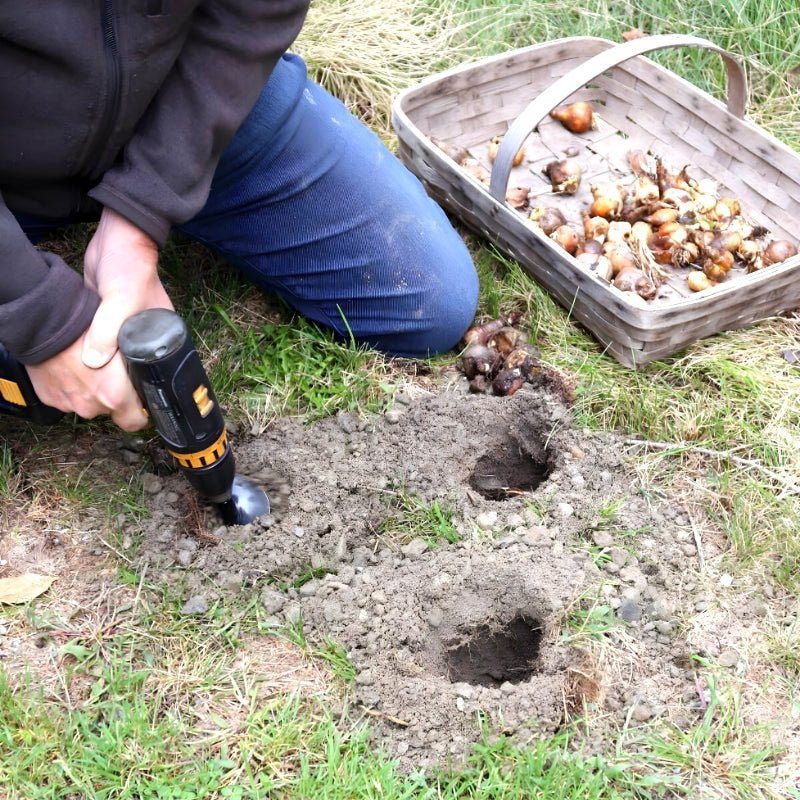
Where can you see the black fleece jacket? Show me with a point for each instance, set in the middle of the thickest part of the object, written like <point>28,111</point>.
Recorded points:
<point>120,103</point>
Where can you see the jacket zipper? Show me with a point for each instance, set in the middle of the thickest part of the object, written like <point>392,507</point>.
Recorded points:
<point>114,83</point>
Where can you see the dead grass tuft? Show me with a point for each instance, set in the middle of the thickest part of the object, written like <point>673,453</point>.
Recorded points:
<point>364,53</point>
<point>585,689</point>
<point>265,668</point>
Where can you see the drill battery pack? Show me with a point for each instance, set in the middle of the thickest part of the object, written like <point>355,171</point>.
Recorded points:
<point>17,396</point>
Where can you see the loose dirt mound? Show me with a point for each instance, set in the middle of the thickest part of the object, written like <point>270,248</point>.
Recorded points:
<point>565,586</point>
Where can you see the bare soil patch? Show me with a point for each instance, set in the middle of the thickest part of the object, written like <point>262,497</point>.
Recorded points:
<point>571,588</point>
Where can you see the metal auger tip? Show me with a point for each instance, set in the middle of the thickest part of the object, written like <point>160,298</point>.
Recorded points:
<point>247,502</point>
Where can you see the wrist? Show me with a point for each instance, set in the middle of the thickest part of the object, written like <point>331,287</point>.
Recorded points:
<point>112,223</point>
<point>145,218</point>
<point>120,257</point>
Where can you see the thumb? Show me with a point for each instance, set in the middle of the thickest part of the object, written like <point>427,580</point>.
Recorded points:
<point>100,339</point>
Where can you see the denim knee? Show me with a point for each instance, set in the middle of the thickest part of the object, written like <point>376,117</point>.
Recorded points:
<point>437,320</point>
<point>331,221</point>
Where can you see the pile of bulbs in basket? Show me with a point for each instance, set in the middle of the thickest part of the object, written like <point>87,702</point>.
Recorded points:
<point>639,235</point>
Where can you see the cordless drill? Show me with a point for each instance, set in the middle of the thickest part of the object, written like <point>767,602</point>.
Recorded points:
<point>169,378</point>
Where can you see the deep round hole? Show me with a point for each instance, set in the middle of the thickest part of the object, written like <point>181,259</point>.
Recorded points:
<point>508,472</point>
<point>491,654</point>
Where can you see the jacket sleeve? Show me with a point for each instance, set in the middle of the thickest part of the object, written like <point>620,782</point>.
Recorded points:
<point>44,305</point>
<point>167,166</point>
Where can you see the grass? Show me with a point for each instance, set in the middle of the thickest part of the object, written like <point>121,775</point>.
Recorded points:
<point>156,706</point>
<point>334,377</point>
<point>338,661</point>
<point>593,621</point>
<point>364,53</point>
<point>783,647</point>
<point>9,476</point>
<point>410,517</point>
<point>164,706</point>
<point>722,756</point>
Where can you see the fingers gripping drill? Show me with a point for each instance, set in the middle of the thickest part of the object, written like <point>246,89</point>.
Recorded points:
<point>176,394</point>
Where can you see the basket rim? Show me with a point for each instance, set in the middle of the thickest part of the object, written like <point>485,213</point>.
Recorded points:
<point>399,112</point>
<point>477,62</point>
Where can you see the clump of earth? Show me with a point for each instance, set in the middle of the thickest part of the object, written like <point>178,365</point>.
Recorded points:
<point>561,586</point>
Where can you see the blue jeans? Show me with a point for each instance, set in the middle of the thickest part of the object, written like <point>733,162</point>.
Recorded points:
<point>309,204</point>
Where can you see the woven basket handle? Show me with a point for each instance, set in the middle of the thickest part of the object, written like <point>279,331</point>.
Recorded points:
<point>558,92</point>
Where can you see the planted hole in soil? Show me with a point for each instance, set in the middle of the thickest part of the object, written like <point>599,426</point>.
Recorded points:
<point>493,654</point>
<point>508,472</point>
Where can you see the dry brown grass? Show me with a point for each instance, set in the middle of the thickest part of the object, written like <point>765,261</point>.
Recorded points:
<point>364,53</point>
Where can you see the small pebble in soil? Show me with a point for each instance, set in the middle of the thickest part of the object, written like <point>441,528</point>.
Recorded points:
<point>487,520</point>
<point>435,617</point>
<point>464,690</point>
<point>629,611</point>
<point>364,678</point>
<point>728,658</point>
<point>272,600</point>
<point>195,605</point>
<point>641,712</point>
<point>133,443</point>
<point>415,548</point>
<point>664,627</point>
<point>293,613</point>
<point>757,608</point>
<point>618,556</point>
<point>602,539</point>
<point>151,483</point>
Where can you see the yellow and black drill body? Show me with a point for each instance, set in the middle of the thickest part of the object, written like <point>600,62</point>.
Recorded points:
<point>168,376</point>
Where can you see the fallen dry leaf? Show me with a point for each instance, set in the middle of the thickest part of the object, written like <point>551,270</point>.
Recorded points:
<point>23,587</point>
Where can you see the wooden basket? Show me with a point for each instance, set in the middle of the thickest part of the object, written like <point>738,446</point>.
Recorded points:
<point>639,106</point>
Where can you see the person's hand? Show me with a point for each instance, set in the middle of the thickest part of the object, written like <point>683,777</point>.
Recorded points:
<point>89,377</point>
<point>121,265</point>
<point>66,383</point>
